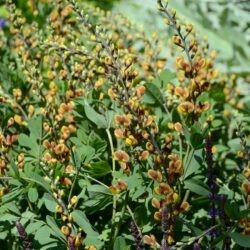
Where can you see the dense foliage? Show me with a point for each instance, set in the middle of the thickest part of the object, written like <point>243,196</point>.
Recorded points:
<point>107,144</point>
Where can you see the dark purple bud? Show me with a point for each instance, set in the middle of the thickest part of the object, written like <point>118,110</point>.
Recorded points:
<point>214,233</point>
<point>196,246</point>
<point>27,244</point>
<point>3,23</point>
<point>137,236</point>
<point>71,244</point>
<point>164,245</point>
<point>164,223</point>
<point>213,212</point>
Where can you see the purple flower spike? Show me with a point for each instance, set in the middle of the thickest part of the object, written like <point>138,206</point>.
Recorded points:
<point>137,236</point>
<point>71,244</point>
<point>3,23</point>
<point>213,212</point>
<point>196,246</point>
<point>214,233</point>
<point>27,244</point>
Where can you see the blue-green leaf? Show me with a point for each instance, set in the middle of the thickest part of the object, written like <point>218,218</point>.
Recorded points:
<point>240,239</point>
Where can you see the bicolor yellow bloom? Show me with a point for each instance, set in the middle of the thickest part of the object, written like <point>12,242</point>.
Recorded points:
<point>186,107</point>
<point>121,156</point>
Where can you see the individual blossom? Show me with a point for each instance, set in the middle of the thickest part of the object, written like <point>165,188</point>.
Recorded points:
<point>151,241</point>
<point>124,120</point>
<point>143,155</point>
<point>121,156</point>
<point>186,107</point>
<point>65,230</point>
<point>163,189</point>
<point>183,93</point>
<point>175,166</point>
<point>155,175</point>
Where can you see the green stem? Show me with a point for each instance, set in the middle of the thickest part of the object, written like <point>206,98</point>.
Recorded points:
<point>186,155</point>
<point>180,144</point>
<point>95,180</point>
<point>113,231</point>
<point>75,178</point>
<point>187,159</point>
<point>121,218</point>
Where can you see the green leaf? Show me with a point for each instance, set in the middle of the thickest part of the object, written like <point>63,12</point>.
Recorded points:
<point>243,214</point>
<point>32,227</point>
<point>14,168</point>
<point>120,243</point>
<point>3,12</point>
<point>98,169</point>
<point>29,142</point>
<point>23,140</point>
<point>217,93</point>
<point>99,189</point>
<point>232,210</point>
<point>83,222</point>
<point>49,202</point>
<point>140,215</point>
<point>35,126</point>
<point>43,235</point>
<point>3,235</point>
<point>12,195</point>
<point>196,140</point>
<point>34,177</point>
<point>86,153</point>
<point>95,117</point>
<point>154,88</point>
<point>197,186</point>
<point>9,217</point>
<point>52,224</point>
<point>234,144</point>
<point>216,123</point>
<point>134,181</point>
<point>163,78</point>
<point>110,118</point>
<point>148,98</point>
<point>155,92</point>
<point>54,245</point>
<point>240,239</point>
<point>195,164</point>
<point>33,195</point>
<point>97,143</point>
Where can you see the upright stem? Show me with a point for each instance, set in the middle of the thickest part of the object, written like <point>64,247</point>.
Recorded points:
<point>114,196</point>
<point>178,31</point>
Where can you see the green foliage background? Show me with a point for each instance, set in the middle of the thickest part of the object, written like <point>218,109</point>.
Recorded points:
<point>226,25</point>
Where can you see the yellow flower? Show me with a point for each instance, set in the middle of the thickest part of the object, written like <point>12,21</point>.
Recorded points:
<point>178,127</point>
<point>123,119</point>
<point>155,203</point>
<point>186,107</point>
<point>119,133</point>
<point>155,175</point>
<point>74,200</point>
<point>130,141</point>
<point>60,149</point>
<point>144,155</point>
<point>184,206</point>
<point>121,155</point>
<point>182,92</point>
<point>65,230</point>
